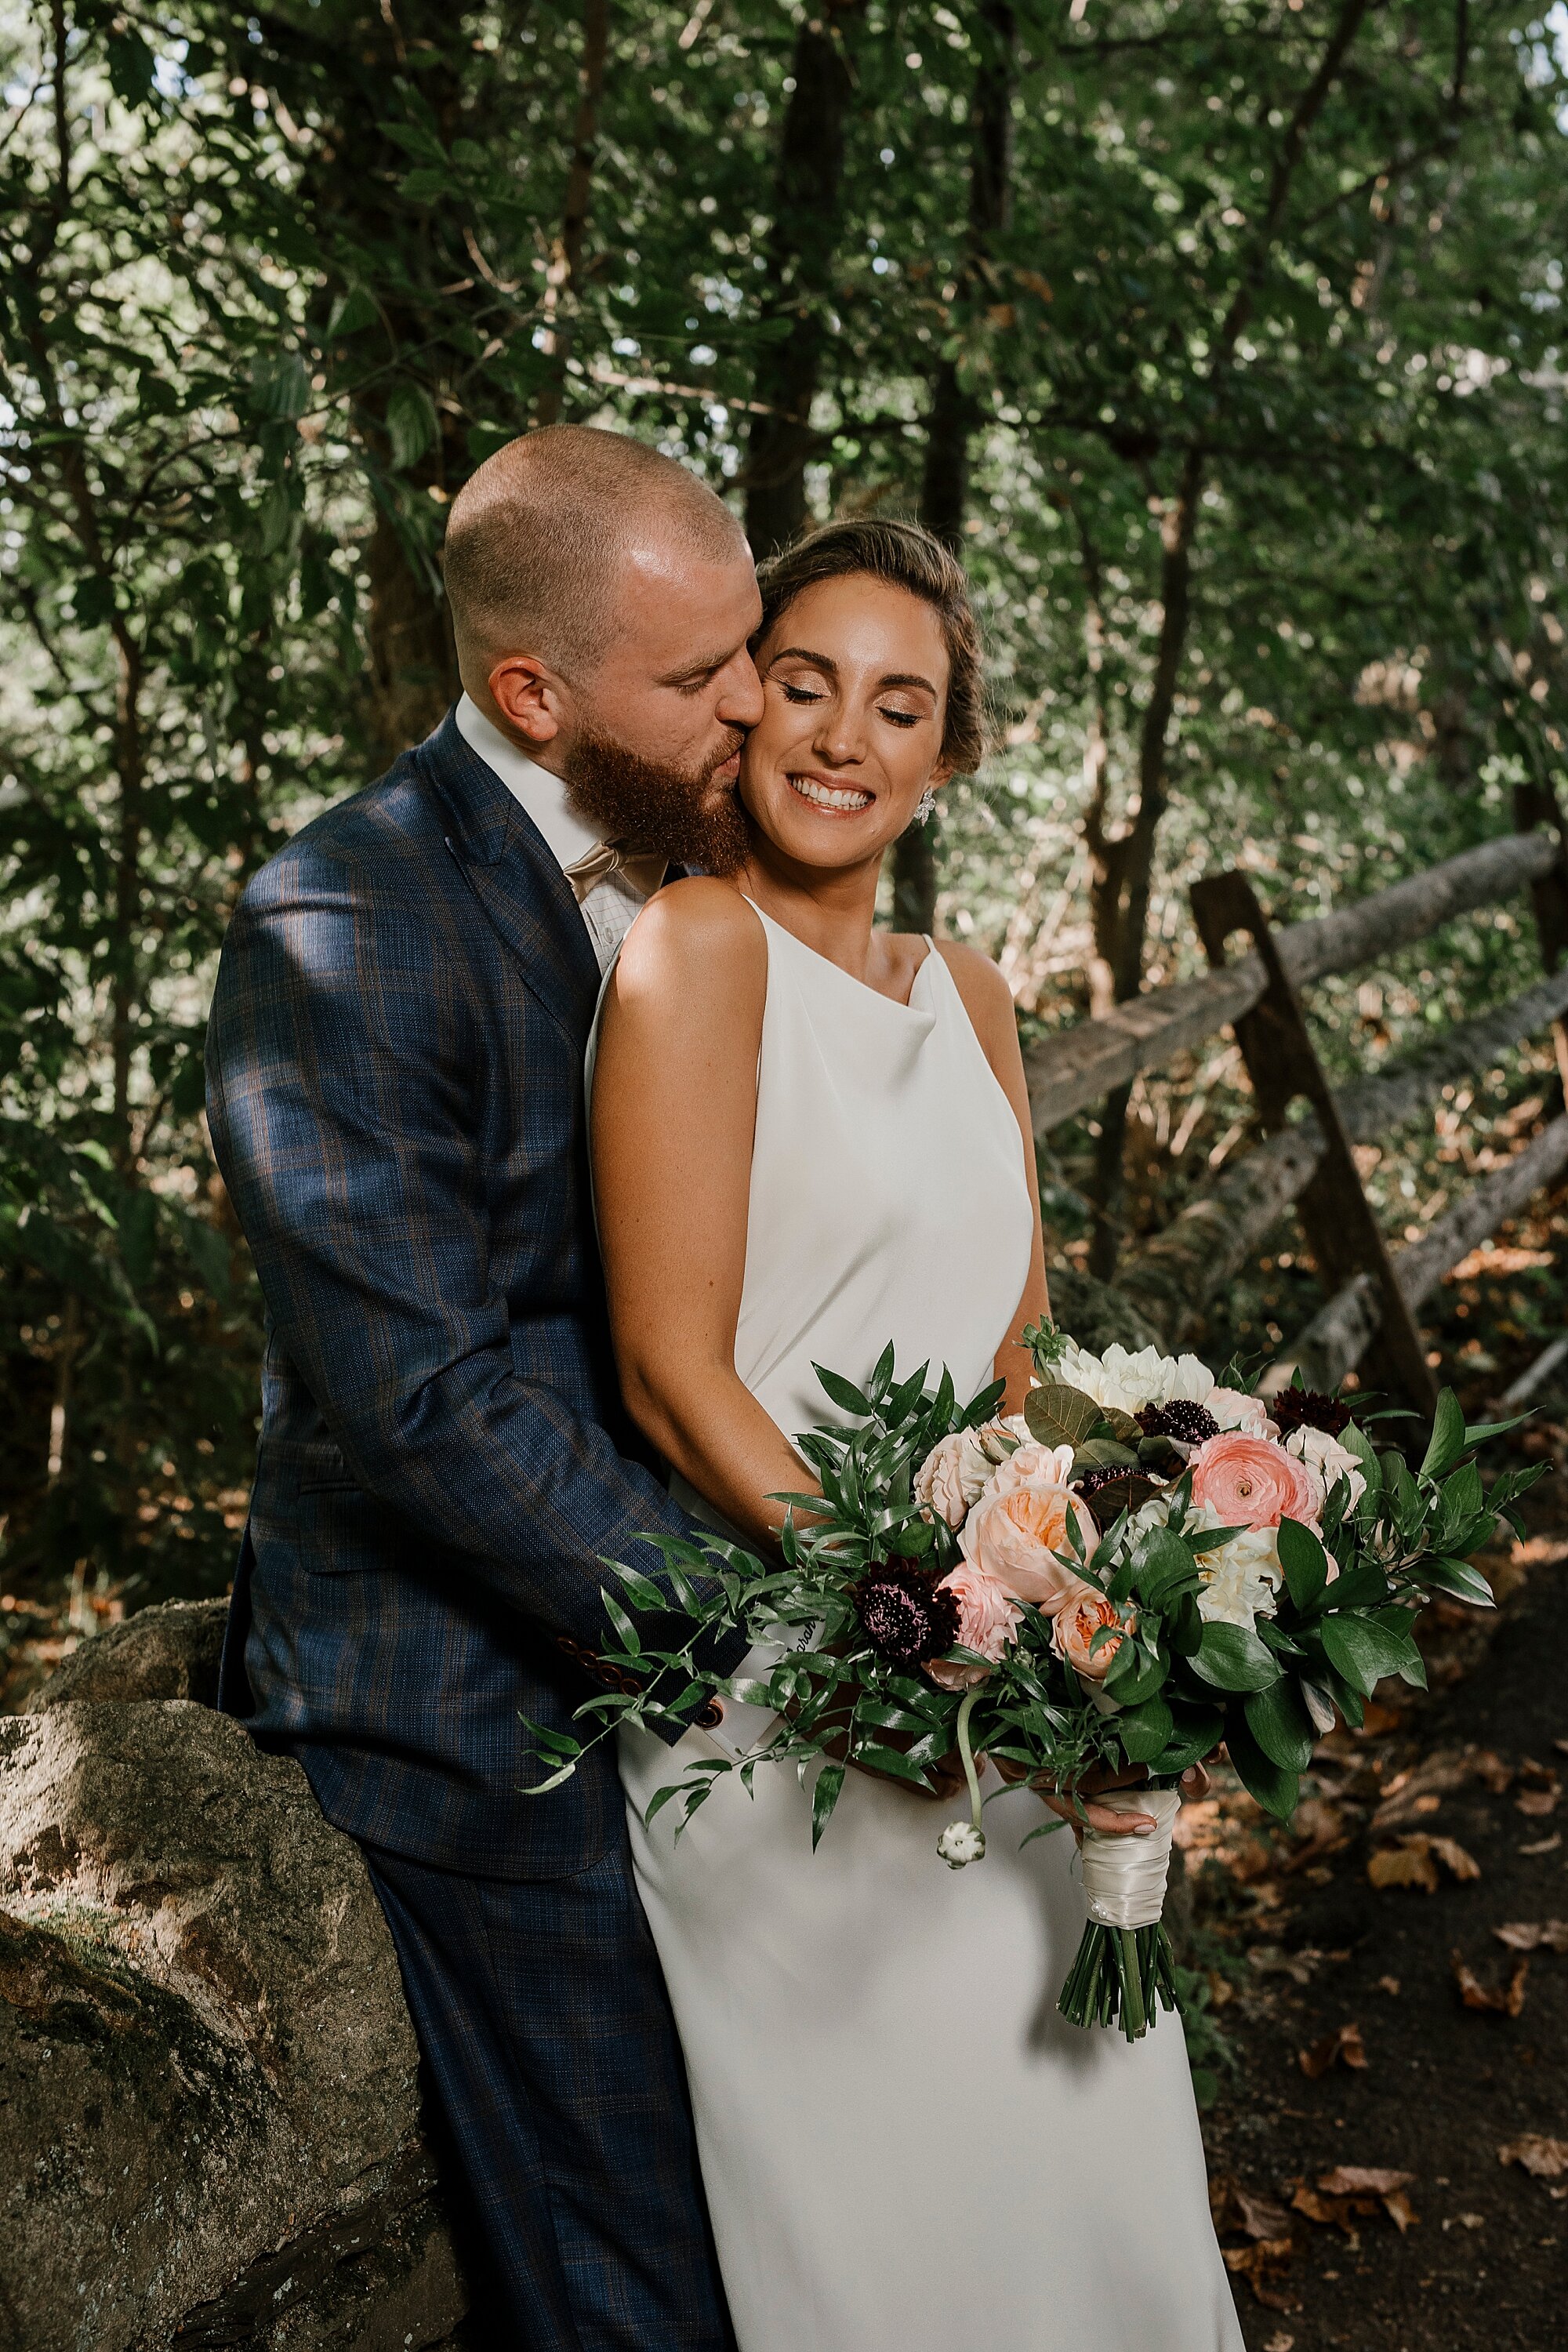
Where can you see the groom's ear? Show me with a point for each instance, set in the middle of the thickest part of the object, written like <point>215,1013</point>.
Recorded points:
<point>529,697</point>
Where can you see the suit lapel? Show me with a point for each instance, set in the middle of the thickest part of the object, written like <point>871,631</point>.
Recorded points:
<point>516,879</point>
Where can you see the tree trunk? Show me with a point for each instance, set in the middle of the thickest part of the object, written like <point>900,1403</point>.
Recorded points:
<point>802,244</point>
<point>124,974</point>
<point>563,278</point>
<point>413,662</point>
<point>954,413</point>
<point>1127,869</point>
<point>1120,895</point>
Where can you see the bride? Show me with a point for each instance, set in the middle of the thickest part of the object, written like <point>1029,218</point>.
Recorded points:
<point>810,1137</point>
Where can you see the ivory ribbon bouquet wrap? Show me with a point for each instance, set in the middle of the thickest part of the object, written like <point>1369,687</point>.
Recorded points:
<point>1145,1563</point>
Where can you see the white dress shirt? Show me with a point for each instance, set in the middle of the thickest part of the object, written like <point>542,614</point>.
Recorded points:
<point>613,905</point>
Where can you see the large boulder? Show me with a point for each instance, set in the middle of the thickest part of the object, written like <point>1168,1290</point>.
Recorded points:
<point>209,2123</point>
<point>169,1651</point>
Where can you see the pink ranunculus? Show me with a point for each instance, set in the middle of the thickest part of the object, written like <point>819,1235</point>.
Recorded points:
<point>1236,1411</point>
<point>1032,1464</point>
<point>988,1622</point>
<point>1252,1483</point>
<point>1074,1627</point>
<point>1015,1538</point>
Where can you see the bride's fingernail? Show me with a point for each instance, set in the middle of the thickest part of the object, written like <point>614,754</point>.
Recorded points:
<point>1142,1829</point>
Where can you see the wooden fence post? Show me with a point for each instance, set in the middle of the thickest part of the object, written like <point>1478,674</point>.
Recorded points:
<point>1537,804</point>
<point>1282,1064</point>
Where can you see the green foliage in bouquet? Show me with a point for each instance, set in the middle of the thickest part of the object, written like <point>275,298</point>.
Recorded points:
<point>858,1554</point>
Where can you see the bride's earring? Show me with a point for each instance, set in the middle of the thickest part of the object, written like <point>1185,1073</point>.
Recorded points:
<point>925,807</point>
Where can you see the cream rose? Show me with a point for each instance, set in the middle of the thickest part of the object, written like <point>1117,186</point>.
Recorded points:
<point>1240,1579</point>
<point>1015,1538</point>
<point>1235,1411</point>
<point>1327,1460</point>
<point>952,1476</point>
<point>1031,1464</point>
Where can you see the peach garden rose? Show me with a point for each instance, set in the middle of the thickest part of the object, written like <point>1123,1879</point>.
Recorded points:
<point>1074,1627</point>
<point>1014,1537</point>
<point>1252,1483</point>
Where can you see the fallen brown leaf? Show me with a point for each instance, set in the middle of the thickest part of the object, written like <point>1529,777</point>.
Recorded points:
<point>1544,1845</point>
<point>1280,2342</point>
<point>1343,2046</point>
<point>1537,1804</point>
<point>1362,2180</point>
<point>1352,2192</point>
<point>1323,1829</point>
<point>1560,1746</point>
<point>1262,2218</point>
<point>1408,1864</point>
<point>1419,1791</point>
<point>1414,1862</point>
<point>1264,2267</point>
<point>1235,2207</point>
<point>1543,2158</point>
<point>1400,2210</point>
<point>1453,1857</point>
<point>1499,2000</point>
<point>1270,1962</point>
<point>1534,1935</point>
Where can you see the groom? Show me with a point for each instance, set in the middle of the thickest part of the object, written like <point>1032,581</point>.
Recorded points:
<point>395,1091</point>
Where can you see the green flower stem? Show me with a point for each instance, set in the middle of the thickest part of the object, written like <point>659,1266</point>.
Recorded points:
<point>965,1750</point>
<point>1136,2021</point>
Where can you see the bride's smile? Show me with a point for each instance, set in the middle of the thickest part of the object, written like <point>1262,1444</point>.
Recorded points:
<point>855,677</point>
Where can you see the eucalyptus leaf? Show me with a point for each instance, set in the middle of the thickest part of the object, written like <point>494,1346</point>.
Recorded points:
<point>1059,1415</point>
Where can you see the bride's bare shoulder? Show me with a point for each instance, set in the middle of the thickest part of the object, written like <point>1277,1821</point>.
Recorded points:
<point>987,999</point>
<point>689,936</point>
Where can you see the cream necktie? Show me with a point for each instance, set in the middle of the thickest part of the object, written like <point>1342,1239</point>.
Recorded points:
<point>642,870</point>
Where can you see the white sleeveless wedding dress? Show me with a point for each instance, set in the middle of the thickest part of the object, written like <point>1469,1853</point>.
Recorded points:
<point>905,2147</point>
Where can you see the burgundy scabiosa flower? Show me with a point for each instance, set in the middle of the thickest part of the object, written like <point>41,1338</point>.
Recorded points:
<point>1104,1473</point>
<point>1188,1423</point>
<point>1295,1409</point>
<point>905,1614</point>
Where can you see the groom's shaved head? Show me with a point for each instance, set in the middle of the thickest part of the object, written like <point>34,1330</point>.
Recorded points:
<point>541,537</point>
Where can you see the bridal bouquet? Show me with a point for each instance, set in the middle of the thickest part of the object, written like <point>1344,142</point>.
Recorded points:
<point>1146,1562</point>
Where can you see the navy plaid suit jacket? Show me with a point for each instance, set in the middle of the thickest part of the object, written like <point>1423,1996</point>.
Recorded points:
<point>395,1068</point>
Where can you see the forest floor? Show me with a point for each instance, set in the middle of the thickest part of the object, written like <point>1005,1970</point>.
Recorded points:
<point>1394,1996</point>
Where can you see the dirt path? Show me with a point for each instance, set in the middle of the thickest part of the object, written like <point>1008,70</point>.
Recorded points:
<point>1321,1956</point>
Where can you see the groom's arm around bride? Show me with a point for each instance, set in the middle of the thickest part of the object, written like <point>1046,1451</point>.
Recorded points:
<point>396,1095</point>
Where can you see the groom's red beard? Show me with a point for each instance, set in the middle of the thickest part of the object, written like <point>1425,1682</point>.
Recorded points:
<point>684,813</point>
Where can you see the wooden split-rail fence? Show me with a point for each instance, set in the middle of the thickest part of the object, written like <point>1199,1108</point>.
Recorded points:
<point>1373,1291</point>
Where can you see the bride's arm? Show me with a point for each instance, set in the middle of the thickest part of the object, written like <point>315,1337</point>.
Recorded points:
<point>674,1113</point>
<point>989,1003</point>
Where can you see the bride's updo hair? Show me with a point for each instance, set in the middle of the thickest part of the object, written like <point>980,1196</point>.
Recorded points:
<point>906,556</point>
